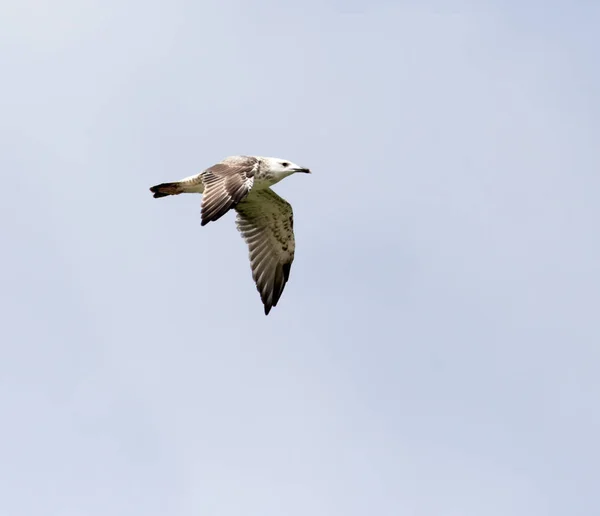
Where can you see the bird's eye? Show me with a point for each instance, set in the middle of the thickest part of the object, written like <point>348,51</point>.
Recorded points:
<point>284,165</point>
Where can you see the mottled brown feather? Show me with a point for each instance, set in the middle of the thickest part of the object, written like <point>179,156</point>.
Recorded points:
<point>225,185</point>
<point>265,221</point>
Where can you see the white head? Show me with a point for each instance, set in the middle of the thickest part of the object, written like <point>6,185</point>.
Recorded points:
<point>282,167</point>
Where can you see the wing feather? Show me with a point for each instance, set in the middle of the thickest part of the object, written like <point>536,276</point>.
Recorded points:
<point>265,221</point>
<point>225,185</point>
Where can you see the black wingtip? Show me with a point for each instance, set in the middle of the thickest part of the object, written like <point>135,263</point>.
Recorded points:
<point>287,267</point>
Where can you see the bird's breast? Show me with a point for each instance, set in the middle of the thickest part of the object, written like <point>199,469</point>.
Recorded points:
<point>264,180</point>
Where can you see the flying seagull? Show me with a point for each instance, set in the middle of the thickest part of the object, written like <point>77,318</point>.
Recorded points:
<point>264,219</point>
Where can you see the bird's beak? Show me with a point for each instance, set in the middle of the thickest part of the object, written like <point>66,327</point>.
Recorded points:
<point>305,170</point>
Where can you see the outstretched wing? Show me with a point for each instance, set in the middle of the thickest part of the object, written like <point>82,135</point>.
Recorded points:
<point>266,222</point>
<point>225,185</point>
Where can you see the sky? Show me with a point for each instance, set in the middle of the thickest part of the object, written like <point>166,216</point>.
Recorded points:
<point>436,350</point>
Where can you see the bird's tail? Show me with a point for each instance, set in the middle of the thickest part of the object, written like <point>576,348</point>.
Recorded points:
<point>164,189</point>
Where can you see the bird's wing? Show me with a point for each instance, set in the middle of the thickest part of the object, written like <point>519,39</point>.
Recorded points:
<point>266,222</point>
<point>225,185</point>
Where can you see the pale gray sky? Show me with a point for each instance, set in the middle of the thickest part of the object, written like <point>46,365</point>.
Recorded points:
<point>436,351</point>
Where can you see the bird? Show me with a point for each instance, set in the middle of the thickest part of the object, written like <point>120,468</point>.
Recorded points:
<point>264,219</point>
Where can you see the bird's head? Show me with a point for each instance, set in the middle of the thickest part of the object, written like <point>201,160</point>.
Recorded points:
<point>283,167</point>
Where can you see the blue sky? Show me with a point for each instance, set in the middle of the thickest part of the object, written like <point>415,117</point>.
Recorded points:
<point>436,349</point>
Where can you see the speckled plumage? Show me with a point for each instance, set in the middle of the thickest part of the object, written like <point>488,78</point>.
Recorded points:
<point>264,219</point>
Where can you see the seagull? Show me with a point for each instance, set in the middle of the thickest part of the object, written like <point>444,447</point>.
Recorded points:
<point>264,219</point>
